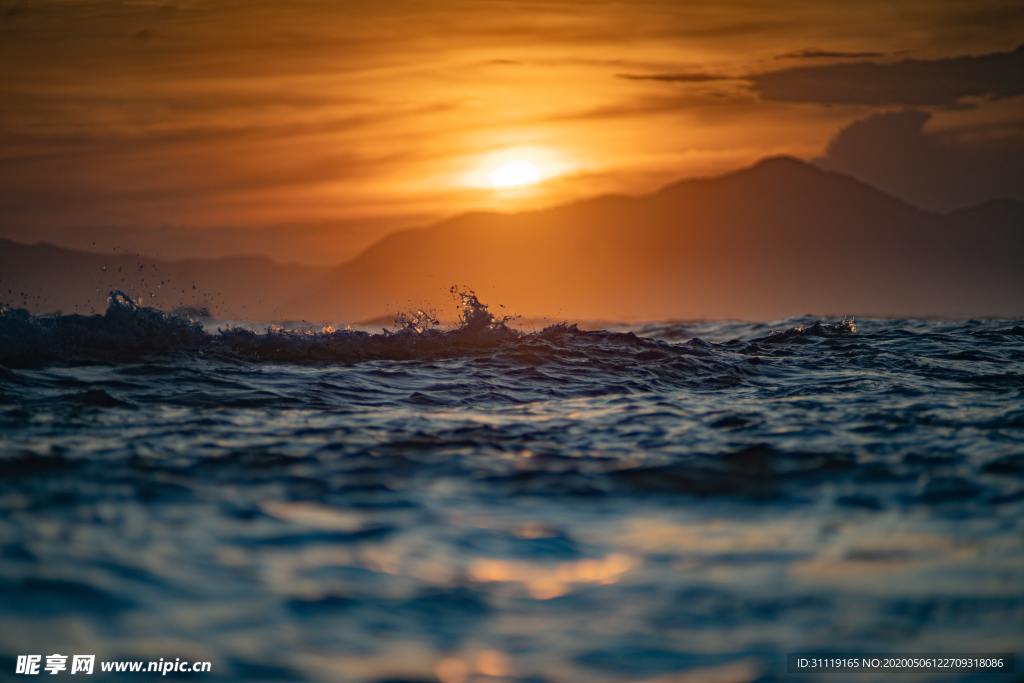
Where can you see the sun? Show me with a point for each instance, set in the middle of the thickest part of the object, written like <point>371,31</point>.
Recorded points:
<point>516,169</point>
<point>514,173</point>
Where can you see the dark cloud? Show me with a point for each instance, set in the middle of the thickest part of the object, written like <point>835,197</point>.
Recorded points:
<point>910,82</point>
<point>691,77</point>
<point>941,171</point>
<point>827,54</point>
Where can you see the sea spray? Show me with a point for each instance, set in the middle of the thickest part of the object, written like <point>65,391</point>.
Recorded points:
<point>128,332</point>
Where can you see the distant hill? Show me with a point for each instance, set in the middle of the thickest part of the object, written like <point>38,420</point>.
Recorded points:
<point>1003,214</point>
<point>46,278</point>
<point>779,238</point>
<point>324,243</point>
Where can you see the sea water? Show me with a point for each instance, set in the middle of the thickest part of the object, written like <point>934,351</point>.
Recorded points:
<point>686,501</point>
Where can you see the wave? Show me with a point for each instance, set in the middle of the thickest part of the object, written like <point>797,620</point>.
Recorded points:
<point>129,332</point>
<point>124,332</point>
<point>818,328</point>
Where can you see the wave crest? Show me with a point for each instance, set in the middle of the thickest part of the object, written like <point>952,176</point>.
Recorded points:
<point>126,331</point>
<point>845,327</point>
<point>129,332</point>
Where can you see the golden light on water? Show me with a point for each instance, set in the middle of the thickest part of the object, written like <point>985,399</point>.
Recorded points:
<point>544,583</point>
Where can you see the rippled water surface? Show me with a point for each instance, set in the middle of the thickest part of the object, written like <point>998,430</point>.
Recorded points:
<point>650,503</point>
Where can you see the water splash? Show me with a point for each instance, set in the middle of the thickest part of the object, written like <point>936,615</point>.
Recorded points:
<point>474,315</point>
<point>416,322</point>
<point>130,332</point>
<point>118,299</point>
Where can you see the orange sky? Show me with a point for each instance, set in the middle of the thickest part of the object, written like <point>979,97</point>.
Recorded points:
<point>246,113</point>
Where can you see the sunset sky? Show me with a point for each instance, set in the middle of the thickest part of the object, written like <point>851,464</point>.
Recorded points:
<point>250,113</point>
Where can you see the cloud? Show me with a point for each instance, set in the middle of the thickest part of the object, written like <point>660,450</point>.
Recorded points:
<point>941,170</point>
<point>910,82</point>
<point>827,54</point>
<point>228,110</point>
<point>685,77</point>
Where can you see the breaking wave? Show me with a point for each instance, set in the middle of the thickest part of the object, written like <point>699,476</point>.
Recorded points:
<point>128,332</point>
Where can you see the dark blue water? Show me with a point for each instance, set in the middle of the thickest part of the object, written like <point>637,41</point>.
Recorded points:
<point>678,502</point>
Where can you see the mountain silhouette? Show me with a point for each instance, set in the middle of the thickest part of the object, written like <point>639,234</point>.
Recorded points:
<point>780,238</point>
<point>45,278</point>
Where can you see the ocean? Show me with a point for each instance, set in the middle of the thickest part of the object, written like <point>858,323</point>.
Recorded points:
<point>685,501</point>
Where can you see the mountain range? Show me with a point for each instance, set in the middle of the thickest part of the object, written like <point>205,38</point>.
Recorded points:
<point>46,278</point>
<point>779,238</point>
